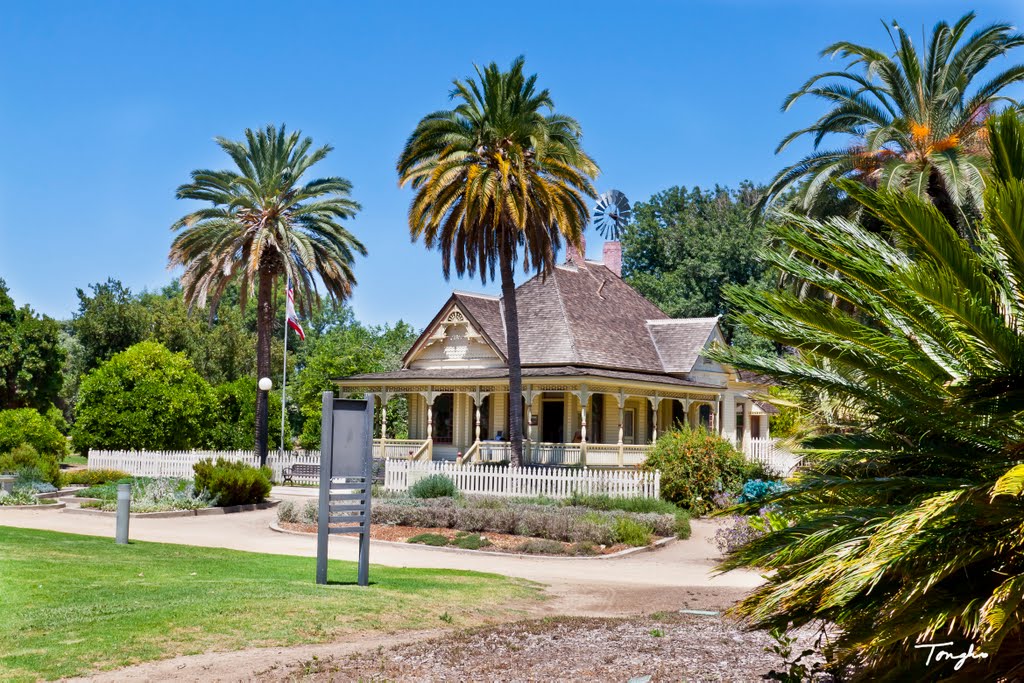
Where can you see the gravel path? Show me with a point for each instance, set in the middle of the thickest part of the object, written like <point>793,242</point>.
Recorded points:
<point>664,646</point>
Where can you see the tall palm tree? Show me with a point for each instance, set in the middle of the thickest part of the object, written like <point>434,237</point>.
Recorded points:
<point>264,224</point>
<point>499,178</point>
<point>906,525</point>
<point>909,120</point>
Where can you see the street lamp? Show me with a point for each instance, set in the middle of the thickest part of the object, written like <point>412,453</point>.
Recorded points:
<point>265,384</point>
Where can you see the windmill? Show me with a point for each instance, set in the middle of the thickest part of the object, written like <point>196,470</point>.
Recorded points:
<point>611,214</point>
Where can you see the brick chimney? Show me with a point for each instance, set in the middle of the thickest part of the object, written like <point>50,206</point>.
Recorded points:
<point>574,256</point>
<point>613,257</point>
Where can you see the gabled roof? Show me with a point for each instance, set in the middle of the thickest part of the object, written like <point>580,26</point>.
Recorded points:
<point>586,316</point>
<point>680,341</point>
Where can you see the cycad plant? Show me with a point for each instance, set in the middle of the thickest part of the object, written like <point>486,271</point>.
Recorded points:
<point>498,179</point>
<point>265,223</point>
<point>911,119</point>
<point>908,522</point>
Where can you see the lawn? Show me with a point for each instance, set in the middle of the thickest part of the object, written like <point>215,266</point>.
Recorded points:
<point>75,459</point>
<point>74,604</point>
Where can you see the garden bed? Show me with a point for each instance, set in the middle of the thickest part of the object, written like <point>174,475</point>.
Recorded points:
<point>40,504</point>
<point>486,542</point>
<point>198,512</point>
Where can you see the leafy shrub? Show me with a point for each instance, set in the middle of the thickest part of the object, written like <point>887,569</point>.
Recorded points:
<point>757,489</point>
<point>143,398</point>
<point>584,548</point>
<point>606,502</point>
<point>234,415</point>
<point>695,464</point>
<point>742,530</point>
<point>32,479</point>
<point>311,512</point>
<point>469,541</point>
<point>429,539</point>
<point>537,546</point>
<point>682,530</point>
<point>37,466</point>
<point>148,495</point>
<point>28,426</point>
<point>288,512</point>
<point>232,483</point>
<point>631,532</point>
<point>19,496</point>
<point>434,486</point>
<point>91,477</point>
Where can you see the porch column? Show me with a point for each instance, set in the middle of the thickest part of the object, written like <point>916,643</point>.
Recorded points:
<point>428,396</point>
<point>383,423</point>
<point>747,405</point>
<point>728,417</point>
<point>622,418</point>
<point>528,416</point>
<point>656,408</point>
<point>584,397</point>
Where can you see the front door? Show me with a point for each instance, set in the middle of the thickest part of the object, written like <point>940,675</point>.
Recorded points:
<point>552,421</point>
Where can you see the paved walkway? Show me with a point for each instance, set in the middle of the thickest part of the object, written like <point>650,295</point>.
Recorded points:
<point>679,575</point>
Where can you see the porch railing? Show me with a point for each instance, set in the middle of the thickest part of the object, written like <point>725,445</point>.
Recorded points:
<point>396,449</point>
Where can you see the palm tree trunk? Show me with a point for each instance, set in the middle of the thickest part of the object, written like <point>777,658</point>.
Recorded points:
<point>515,366</point>
<point>264,332</point>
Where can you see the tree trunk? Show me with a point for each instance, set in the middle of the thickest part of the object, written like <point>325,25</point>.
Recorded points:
<point>264,332</point>
<point>515,367</point>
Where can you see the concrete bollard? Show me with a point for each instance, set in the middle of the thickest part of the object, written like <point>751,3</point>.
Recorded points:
<point>124,501</point>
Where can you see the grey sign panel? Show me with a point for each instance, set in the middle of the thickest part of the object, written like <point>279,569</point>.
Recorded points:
<point>346,463</point>
<point>352,435</point>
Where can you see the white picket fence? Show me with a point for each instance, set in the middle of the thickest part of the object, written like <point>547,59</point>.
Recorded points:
<point>774,457</point>
<point>499,480</point>
<point>179,463</point>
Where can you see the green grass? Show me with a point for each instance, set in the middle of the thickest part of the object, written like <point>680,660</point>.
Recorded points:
<point>75,459</point>
<point>74,604</point>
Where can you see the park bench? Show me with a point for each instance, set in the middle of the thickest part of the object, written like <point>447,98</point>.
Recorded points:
<point>300,470</point>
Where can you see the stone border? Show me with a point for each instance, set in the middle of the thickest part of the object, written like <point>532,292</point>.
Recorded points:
<point>38,506</point>
<point>660,543</point>
<point>202,512</point>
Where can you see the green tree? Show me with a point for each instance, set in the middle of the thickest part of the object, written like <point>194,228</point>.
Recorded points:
<point>342,348</point>
<point>683,247</point>
<point>262,225</point>
<point>29,426</point>
<point>30,356</point>
<point>497,179</point>
<point>107,322</point>
<point>235,414</point>
<point>145,397</point>
<point>908,515</point>
<point>907,120</point>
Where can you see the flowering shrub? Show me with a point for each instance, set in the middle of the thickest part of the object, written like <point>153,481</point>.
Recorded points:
<point>20,496</point>
<point>232,483</point>
<point>741,530</point>
<point>695,464</point>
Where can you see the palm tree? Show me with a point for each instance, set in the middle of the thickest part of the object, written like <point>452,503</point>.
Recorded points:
<point>910,120</point>
<point>905,529</point>
<point>264,224</point>
<point>497,179</point>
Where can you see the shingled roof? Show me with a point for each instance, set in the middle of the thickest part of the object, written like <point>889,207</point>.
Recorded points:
<point>586,316</point>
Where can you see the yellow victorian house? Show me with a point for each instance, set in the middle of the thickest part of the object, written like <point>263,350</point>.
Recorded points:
<point>604,371</point>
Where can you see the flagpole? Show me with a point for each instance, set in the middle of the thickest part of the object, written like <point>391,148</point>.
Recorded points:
<point>284,371</point>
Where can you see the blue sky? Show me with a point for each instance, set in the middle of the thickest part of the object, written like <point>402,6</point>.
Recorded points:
<point>107,106</point>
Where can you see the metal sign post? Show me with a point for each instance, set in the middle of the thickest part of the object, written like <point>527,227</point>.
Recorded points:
<point>346,475</point>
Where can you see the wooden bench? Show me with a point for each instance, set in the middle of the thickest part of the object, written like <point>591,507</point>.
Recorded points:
<point>300,470</point>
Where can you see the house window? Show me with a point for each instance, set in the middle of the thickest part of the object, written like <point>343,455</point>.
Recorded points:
<point>704,416</point>
<point>629,425</point>
<point>739,417</point>
<point>485,418</point>
<point>595,423</point>
<point>444,419</point>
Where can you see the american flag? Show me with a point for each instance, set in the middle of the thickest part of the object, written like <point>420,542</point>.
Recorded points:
<point>293,319</point>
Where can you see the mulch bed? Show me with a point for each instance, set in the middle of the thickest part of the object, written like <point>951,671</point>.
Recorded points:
<point>400,534</point>
<point>665,646</point>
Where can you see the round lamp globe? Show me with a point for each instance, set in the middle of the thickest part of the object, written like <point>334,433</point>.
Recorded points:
<point>265,384</point>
